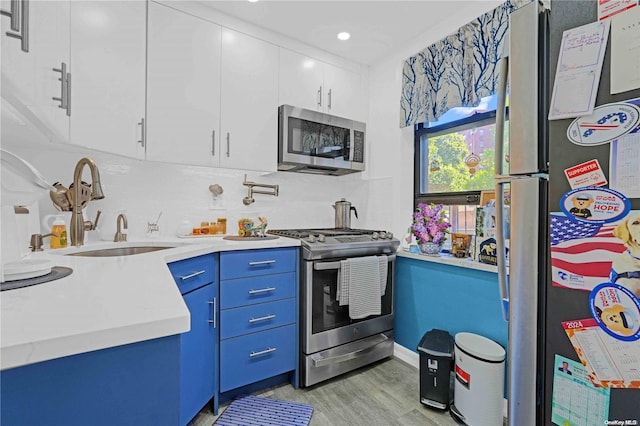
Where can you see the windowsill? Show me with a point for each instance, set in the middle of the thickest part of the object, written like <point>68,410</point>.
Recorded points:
<point>448,259</point>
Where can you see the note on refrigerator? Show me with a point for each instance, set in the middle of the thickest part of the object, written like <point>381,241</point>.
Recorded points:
<point>610,8</point>
<point>575,400</point>
<point>625,51</point>
<point>624,167</point>
<point>609,362</point>
<point>578,72</point>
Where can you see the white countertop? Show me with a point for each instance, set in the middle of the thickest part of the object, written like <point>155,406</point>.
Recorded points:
<point>105,302</point>
<point>448,259</point>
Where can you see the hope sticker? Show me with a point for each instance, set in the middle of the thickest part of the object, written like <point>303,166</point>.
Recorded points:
<point>595,205</point>
<point>616,310</point>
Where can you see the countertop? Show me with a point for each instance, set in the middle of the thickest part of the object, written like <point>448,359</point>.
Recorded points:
<point>105,302</point>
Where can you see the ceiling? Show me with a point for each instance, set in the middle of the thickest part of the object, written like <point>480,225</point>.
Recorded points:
<point>377,27</point>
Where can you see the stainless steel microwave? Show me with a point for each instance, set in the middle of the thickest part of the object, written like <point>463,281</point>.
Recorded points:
<point>313,142</point>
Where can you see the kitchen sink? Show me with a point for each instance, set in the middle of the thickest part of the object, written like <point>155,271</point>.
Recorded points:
<point>119,251</point>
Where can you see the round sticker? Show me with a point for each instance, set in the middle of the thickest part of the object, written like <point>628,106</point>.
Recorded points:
<point>607,123</point>
<point>595,205</point>
<point>616,310</point>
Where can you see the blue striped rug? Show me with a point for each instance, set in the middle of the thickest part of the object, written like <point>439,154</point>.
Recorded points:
<point>255,410</point>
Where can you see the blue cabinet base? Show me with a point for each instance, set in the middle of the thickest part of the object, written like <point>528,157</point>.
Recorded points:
<point>135,384</point>
<point>291,377</point>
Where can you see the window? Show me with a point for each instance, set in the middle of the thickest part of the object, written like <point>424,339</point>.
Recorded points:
<point>454,161</point>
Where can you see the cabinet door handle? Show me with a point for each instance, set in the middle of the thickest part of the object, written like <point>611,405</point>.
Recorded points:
<point>265,318</point>
<point>64,91</point>
<point>214,308</point>
<point>13,14</point>
<point>262,290</point>
<point>195,274</point>
<point>213,143</point>
<point>228,144</point>
<point>320,96</point>
<point>266,351</point>
<point>261,262</point>
<point>19,20</point>
<point>142,135</point>
<point>68,94</point>
<point>329,96</point>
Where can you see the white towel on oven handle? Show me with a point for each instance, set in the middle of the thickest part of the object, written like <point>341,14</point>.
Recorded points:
<point>362,277</point>
<point>342,293</point>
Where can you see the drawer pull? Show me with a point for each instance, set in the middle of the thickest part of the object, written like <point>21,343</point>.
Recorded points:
<point>262,290</point>
<point>262,262</point>
<point>213,321</point>
<point>195,274</point>
<point>266,351</point>
<point>265,318</point>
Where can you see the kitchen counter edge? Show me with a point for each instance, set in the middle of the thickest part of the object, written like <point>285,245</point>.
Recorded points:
<point>105,302</point>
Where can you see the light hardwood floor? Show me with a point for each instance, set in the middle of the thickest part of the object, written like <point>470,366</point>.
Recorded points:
<point>385,393</point>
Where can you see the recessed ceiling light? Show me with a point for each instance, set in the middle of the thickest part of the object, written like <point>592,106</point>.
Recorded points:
<point>253,1</point>
<point>344,36</point>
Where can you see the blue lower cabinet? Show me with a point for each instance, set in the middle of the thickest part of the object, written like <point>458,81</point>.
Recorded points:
<point>135,384</point>
<point>263,316</point>
<point>198,348</point>
<point>253,357</point>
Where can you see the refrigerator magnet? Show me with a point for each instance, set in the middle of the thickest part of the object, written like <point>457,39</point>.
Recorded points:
<point>607,123</point>
<point>595,205</point>
<point>585,174</point>
<point>616,310</point>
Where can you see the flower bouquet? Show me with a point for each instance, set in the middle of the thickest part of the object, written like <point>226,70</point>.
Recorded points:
<point>430,227</point>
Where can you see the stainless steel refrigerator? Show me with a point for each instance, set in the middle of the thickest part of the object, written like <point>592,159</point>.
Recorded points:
<point>539,152</point>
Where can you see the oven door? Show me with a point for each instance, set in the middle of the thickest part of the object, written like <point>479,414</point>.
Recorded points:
<point>326,324</point>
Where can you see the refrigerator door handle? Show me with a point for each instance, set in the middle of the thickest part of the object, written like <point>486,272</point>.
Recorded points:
<point>500,182</point>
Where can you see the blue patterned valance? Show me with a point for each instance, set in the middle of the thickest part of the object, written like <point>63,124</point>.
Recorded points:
<point>456,71</point>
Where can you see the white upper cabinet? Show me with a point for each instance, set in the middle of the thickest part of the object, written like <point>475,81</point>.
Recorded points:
<point>319,86</point>
<point>108,62</point>
<point>183,88</point>
<point>30,76</point>
<point>249,124</point>
<point>212,94</point>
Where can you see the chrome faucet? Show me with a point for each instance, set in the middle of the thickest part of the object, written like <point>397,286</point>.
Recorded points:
<point>81,197</point>
<point>275,189</point>
<point>120,237</point>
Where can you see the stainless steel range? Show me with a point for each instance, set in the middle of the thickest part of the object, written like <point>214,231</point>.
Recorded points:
<point>333,343</point>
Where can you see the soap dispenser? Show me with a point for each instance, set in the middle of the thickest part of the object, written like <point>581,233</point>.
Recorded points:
<point>59,233</point>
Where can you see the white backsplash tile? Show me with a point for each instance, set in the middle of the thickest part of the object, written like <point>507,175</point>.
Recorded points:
<point>143,189</point>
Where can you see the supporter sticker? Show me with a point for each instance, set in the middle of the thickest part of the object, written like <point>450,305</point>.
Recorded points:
<point>585,174</point>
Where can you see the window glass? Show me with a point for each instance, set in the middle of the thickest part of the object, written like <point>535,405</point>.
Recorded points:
<point>455,161</point>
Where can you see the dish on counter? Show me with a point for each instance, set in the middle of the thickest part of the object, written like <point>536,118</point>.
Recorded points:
<point>202,236</point>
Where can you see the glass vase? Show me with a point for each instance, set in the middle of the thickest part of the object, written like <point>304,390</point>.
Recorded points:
<point>430,248</point>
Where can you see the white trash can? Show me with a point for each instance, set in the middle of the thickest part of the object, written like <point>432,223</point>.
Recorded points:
<point>479,385</point>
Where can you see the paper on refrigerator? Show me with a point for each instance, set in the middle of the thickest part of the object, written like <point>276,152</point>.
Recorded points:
<point>610,362</point>
<point>578,71</point>
<point>625,51</point>
<point>575,400</point>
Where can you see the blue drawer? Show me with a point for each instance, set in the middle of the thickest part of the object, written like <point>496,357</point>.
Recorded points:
<point>254,357</point>
<point>194,273</point>
<point>247,291</point>
<point>249,263</point>
<point>250,319</point>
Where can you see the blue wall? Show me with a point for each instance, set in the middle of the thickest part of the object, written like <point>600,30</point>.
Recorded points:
<point>433,295</point>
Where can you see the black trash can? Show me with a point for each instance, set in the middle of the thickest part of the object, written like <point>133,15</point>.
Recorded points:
<point>436,364</point>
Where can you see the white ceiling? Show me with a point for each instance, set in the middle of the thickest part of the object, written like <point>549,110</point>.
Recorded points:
<point>377,27</point>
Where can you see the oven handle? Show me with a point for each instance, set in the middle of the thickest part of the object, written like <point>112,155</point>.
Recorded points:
<point>319,360</point>
<point>323,266</point>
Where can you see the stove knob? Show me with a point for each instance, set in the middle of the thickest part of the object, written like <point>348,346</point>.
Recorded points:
<point>321,238</point>
<point>390,235</point>
<point>383,235</point>
<point>374,236</point>
<point>311,238</point>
